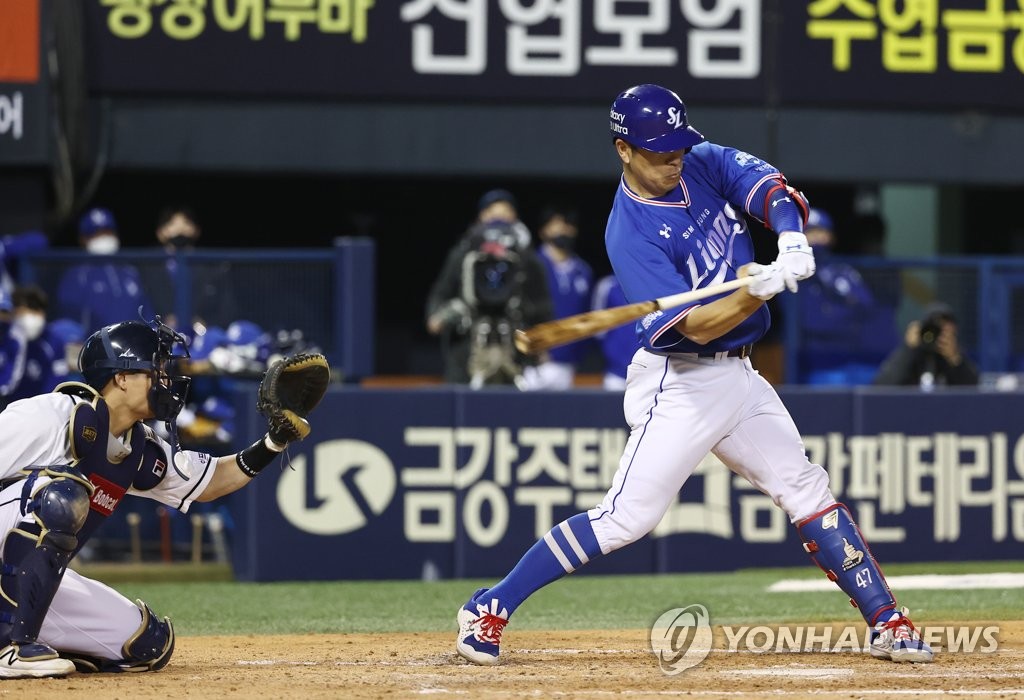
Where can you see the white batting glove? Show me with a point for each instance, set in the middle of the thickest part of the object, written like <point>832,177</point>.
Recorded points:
<point>795,258</point>
<point>769,280</point>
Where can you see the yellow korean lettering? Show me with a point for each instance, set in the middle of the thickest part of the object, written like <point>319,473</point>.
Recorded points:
<point>184,19</point>
<point>842,34</point>
<point>977,40</point>
<point>129,19</point>
<point>341,16</point>
<point>232,15</point>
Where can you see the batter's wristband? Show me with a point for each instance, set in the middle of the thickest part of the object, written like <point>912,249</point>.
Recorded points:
<point>255,458</point>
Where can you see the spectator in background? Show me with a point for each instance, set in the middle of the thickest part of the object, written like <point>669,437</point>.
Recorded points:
<point>66,337</point>
<point>618,345</point>
<point>13,346</point>
<point>13,248</point>
<point>845,331</point>
<point>104,291</point>
<point>210,294</point>
<point>491,284</point>
<point>45,366</point>
<point>570,280</point>
<point>930,354</point>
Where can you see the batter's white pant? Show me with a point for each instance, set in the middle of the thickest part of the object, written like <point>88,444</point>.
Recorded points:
<point>682,407</point>
<point>86,616</point>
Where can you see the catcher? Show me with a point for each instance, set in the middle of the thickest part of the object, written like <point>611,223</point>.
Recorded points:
<point>68,458</point>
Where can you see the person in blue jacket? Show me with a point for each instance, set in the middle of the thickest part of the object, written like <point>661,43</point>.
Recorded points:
<point>619,344</point>
<point>101,291</point>
<point>570,280</point>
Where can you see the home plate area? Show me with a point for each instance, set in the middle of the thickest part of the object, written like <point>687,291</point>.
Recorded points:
<point>576,663</point>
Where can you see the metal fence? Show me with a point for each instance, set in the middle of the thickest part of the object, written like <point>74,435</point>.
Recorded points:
<point>327,294</point>
<point>834,335</point>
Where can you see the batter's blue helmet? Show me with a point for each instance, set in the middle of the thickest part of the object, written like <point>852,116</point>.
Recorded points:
<point>652,118</point>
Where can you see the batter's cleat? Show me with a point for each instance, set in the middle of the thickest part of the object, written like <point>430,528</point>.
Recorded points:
<point>896,639</point>
<point>480,624</point>
<point>32,661</point>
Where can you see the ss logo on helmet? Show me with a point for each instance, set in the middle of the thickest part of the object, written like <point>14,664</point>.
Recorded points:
<point>676,117</point>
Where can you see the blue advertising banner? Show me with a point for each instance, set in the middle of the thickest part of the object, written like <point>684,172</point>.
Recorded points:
<point>824,52</point>
<point>435,49</point>
<point>454,483</point>
<point>930,53</point>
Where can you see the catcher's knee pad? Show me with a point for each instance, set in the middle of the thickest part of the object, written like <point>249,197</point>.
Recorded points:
<point>61,506</point>
<point>149,648</point>
<point>836,545</point>
<point>36,553</point>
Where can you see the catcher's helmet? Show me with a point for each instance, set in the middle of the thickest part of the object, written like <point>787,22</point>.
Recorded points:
<point>652,118</point>
<point>135,346</point>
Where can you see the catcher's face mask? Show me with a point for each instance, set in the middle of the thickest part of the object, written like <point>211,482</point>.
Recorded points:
<point>168,391</point>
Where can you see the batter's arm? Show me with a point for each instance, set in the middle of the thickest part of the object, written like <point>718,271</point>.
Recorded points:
<point>709,321</point>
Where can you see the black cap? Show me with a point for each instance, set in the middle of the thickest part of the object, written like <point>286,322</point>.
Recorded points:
<point>493,196</point>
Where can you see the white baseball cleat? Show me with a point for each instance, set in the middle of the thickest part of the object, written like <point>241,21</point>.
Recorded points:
<point>480,624</point>
<point>32,661</point>
<point>896,639</point>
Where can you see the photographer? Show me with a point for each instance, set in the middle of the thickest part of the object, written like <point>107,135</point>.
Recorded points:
<point>930,355</point>
<point>491,285</point>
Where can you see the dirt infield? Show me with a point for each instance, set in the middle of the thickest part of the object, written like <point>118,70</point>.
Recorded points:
<point>538,664</point>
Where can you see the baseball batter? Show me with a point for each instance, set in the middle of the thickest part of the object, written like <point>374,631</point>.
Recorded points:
<point>67,459</point>
<point>677,224</point>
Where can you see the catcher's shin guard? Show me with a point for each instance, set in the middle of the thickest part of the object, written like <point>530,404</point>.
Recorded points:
<point>836,545</point>
<point>148,649</point>
<point>36,554</point>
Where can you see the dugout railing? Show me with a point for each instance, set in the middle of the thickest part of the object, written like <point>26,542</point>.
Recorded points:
<point>828,342</point>
<point>327,293</point>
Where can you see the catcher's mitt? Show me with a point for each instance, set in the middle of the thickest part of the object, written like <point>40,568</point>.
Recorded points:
<point>290,389</point>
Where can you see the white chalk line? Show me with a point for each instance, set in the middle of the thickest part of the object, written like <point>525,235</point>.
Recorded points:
<point>917,582</point>
<point>689,692</point>
<point>445,660</point>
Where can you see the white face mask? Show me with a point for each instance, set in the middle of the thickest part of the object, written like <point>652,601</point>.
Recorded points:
<point>103,244</point>
<point>31,325</point>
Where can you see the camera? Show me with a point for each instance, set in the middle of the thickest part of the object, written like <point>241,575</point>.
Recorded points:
<point>931,327</point>
<point>492,288</point>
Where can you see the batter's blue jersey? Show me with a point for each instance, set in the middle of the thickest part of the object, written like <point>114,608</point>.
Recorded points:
<point>569,283</point>
<point>692,237</point>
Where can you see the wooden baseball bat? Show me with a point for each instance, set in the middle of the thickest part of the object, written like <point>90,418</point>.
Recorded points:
<point>551,334</point>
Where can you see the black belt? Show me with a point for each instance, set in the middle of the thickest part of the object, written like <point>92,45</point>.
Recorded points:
<point>741,352</point>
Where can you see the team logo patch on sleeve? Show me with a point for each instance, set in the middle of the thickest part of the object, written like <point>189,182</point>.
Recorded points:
<point>106,496</point>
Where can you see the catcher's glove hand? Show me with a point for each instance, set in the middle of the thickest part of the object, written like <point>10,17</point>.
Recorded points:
<point>289,390</point>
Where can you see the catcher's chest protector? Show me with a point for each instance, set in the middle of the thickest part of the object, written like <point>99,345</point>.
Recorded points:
<point>90,432</point>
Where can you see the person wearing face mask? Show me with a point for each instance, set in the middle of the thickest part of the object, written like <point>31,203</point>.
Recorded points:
<point>44,367</point>
<point>178,231</point>
<point>845,330</point>
<point>492,283</point>
<point>102,290</point>
<point>570,280</point>
<point>13,346</point>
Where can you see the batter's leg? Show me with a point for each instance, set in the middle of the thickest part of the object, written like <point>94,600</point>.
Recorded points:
<point>669,436</point>
<point>766,449</point>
